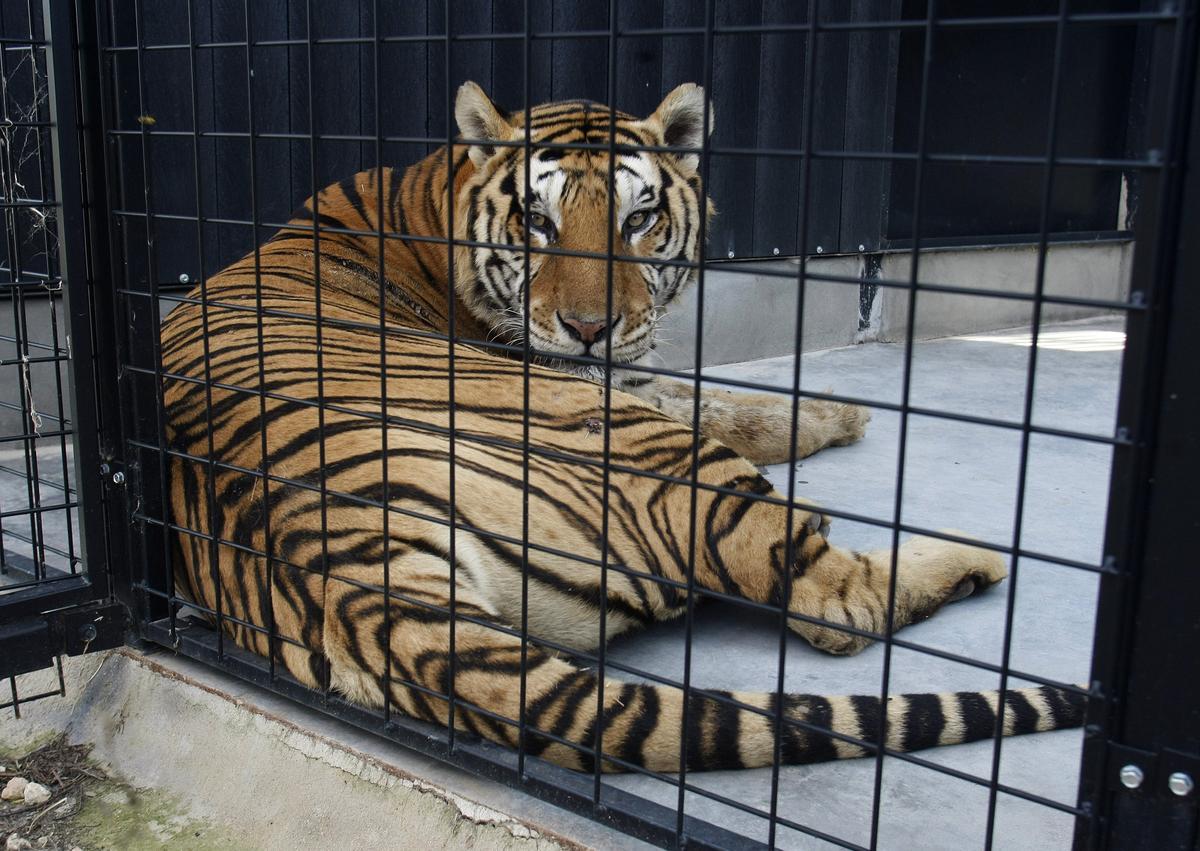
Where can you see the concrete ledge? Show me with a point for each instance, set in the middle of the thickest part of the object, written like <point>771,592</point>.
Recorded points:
<point>749,315</point>
<point>273,774</point>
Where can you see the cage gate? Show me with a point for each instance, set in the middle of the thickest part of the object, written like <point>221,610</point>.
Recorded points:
<point>58,466</point>
<point>882,135</point>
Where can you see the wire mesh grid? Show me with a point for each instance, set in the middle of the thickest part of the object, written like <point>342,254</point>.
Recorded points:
<point>38,531</point>
<point>39,528</point>
<point>153,136</point>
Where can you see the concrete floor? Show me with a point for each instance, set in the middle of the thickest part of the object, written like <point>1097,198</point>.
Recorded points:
<point>956,475</point>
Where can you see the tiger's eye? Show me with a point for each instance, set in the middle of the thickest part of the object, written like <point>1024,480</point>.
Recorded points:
<point>537,221</point>
<point>636,220</point>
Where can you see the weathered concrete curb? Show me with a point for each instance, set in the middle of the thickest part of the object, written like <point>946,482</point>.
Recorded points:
<point>274,774</point>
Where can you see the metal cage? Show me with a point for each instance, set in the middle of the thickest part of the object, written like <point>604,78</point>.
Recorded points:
<point>852,134</point>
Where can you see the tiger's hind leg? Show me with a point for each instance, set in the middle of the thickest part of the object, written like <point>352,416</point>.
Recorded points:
<point>408,657</point>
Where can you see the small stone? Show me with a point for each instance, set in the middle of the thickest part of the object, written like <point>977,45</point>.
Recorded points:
<point>14,790</point>
<point>17,843</point>
<point>36,793</point>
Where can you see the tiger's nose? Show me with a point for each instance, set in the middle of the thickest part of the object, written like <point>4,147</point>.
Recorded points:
<point>585,328</point>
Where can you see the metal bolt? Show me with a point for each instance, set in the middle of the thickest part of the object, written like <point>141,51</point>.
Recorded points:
<point>774,250</point>
<point>104,469</point>
<point>118,478</point>
<point>87,633</point>
<point>820,249</point>
<point>184,278</point>
<point>730,255</point>
<point>1181,784</point>
<point>861,247</point>
<point>1132,777</point>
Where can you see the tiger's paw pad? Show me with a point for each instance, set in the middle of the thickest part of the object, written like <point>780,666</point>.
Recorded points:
<point>965,588</point>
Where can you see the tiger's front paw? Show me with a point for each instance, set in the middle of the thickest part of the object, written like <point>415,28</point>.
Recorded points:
<point>847,423</point>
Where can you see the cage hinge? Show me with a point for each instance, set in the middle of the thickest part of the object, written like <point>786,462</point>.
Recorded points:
<point>32,643</point>
<point>1167,772</point>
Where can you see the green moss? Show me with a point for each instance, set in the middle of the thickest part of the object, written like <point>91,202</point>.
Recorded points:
<point>124,819</point>
<point>104,814</point>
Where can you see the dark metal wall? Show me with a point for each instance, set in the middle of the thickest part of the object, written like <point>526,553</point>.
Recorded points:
<point>986,96</point>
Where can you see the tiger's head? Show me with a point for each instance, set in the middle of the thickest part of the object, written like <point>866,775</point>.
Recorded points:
<point>655,218</point>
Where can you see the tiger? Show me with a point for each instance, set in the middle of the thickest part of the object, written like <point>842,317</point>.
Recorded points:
<point>367,500</point>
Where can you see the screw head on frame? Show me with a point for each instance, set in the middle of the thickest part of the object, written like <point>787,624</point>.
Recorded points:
<point>184,278</point>
<point>118,478</point>
<point>820,249</point>
<point>862,247</point>
<point>1132,776</point>
<point>1181,784</point>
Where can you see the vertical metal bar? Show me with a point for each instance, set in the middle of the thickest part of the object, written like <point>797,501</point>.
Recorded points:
<point>698,366</point>
<point>1140,700</point>
<point>156,319</point>
<point>16,700</point>
<point>62,71</point>
<point>806,136</point>
<point>214,545</point>
<point>906,386</point>
<point>314,150</point>
<point>264,464</point>
<point>67,427</point>
<point>605,471</point>
<point>1039,288</point>
<point>451,299</point>
<point>527,141</point>
<point>385,449</point>
<point>106,528</point>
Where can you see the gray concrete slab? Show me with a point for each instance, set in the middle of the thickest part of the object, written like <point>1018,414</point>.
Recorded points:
<point>959,476</point>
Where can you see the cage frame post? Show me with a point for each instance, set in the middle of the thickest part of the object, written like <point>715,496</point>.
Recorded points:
<point>1147,715</point>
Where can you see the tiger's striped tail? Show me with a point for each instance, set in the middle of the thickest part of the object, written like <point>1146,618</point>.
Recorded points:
<point>644,725</point>
<point>918,721</point>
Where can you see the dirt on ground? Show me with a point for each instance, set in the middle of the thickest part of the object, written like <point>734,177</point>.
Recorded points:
<point>89,810</point>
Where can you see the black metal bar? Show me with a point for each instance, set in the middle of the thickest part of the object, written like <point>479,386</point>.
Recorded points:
<point>611,222</point>
<point>704,171</point>
<point>452,319</point>
<point>1030,377</point>
<point>381,272</point>
<point>319,321</point>
<point>527,140</point>
<point>1147,609</point>
<point>931,22</point>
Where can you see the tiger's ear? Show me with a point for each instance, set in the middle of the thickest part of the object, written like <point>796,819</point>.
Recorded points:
<point>481,120</point>
<point>680,119</point>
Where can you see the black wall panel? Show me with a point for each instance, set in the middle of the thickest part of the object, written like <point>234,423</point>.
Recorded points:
<point>988,93</point>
